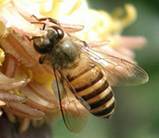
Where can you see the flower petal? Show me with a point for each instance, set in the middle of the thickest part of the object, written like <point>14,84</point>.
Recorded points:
<point>7,83</point>
<point>23,110</point>
<point>42,92</point>
<point>36,101</point>
<point>8,97</point>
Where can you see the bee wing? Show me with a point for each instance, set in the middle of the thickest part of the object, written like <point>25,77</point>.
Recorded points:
<point>71,28</point>
<point>119,70</point>
<point>73,112</point>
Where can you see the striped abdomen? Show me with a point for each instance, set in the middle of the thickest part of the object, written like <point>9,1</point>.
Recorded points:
<point>91,84</point>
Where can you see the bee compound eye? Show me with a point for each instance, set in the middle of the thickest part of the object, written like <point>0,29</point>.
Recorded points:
<point>42,45</point>
<point>59,31</point>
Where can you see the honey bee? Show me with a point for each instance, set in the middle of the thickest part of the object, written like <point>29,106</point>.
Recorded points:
<point>85,72</point>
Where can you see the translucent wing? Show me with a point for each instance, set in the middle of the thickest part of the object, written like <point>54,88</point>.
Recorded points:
<point>73,112</point>
<point>119,71</point>
<point>71,28</point>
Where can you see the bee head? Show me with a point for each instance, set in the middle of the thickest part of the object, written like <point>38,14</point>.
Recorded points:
<point>44,44</point>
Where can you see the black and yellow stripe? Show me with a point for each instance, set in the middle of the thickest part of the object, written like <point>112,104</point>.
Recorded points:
<point>91,85</point>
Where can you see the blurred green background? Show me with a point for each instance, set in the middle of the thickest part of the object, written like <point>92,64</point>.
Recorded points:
<point>137,112</point>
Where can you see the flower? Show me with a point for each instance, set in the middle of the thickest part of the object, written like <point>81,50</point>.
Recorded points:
<point>25,87</point>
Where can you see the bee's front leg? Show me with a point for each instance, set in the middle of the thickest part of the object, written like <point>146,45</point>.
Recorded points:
<point>47,19</point>
<point>42,59</point>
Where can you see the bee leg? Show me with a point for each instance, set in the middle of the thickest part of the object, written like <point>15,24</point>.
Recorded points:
<point>84,43</point>
<point>42,59</point>
<point>46,19</point>
<point>31,38</point>
<point>42,23</point>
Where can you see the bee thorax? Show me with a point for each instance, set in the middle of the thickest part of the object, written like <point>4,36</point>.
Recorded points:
<point>65,54</point>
